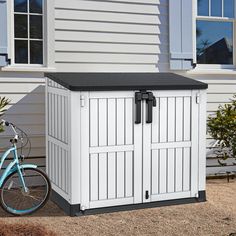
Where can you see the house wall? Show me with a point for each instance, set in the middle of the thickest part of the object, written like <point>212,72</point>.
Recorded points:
<point>26,110</point>
<point>104,36</point>
<point>117,35</point>
<point>221,89</point>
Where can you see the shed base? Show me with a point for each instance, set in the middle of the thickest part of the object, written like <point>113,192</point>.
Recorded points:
<point>74,210</point>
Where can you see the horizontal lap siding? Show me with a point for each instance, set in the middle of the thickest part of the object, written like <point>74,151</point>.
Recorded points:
<point>26,110</point>
<point>221,90</point>
<point>111,35</point>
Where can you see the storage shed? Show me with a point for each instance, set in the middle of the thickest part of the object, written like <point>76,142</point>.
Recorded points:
<point>125,140</point>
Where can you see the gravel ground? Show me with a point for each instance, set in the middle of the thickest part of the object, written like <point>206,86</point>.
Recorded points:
<point>215,217</point>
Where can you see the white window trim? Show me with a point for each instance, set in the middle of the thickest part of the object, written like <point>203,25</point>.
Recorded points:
<point>212,68</point>
<point>48,41</point>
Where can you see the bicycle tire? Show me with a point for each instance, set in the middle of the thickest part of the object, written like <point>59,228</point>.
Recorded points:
<point>29,210</point>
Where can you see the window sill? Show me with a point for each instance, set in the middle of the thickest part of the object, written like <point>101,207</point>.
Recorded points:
<point>28,69</point>
<point>201,71</point>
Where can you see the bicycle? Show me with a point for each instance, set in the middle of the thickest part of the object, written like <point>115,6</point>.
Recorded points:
<point>24,188</point>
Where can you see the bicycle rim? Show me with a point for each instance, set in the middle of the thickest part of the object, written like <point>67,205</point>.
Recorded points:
<point>16,200</point>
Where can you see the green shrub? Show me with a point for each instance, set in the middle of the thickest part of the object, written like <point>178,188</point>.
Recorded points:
<point>3,103</point>
<point>222,127</point>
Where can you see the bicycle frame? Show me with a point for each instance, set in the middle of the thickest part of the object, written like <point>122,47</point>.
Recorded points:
<point>13,166</point>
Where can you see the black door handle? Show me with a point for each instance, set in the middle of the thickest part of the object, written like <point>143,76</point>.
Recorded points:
<point>138,102</point>
<point>151,102</point>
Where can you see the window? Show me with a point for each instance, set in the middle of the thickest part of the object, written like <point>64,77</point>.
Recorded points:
<point>215,32</point>
<point>28,32</point>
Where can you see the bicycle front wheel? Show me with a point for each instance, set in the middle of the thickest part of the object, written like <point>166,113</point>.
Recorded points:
<point>17,200</point>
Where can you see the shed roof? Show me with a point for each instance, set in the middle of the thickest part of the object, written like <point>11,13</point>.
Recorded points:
<point>124,81</point>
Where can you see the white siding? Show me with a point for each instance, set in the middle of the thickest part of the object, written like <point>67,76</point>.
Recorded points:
<point>108,36</point>
<point>26,110</point>
<point>111,35</point>
<point>221,90</point>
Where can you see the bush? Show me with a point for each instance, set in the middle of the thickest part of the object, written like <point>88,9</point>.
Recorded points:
<point>222,127</point>
<point>3,103</point>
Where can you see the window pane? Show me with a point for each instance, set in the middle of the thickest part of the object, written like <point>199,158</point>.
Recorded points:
<point>21,30</point>
<point>20,5</point>
<point>216,7</point>
<point>36,52</point>
<point>36,28</point>
<point>36,6</point>
<point>21,51</point>
<point>229,8</point>
<point>214,42</point>
<point>203,7</point>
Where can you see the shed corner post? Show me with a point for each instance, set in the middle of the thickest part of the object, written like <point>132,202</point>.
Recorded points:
<point>75,154</point>
<point>195,145</point>
<point>202,140</point>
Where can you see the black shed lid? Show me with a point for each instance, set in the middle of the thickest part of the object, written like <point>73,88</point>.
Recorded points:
<point>124,81</point>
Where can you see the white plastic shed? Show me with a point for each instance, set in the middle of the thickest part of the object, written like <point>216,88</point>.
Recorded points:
<point>125,141</point>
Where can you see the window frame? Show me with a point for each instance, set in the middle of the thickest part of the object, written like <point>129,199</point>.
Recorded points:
<point>217,19</point>
<point>12,40</point>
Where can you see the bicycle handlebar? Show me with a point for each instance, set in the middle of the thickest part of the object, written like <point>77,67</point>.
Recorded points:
<point>6,123</point>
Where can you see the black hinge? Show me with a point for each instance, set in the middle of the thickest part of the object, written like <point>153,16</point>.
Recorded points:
<point>8,60</point>
<point>192,63</point>
<point>146,195</point>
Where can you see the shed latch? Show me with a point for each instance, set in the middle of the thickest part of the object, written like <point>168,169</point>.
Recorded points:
<point>198,98</point>
<point>82,101</point>
<point>146,195</point>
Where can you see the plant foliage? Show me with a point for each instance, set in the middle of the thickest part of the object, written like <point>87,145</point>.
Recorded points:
<point>222,127</point>
<point>3,103</point>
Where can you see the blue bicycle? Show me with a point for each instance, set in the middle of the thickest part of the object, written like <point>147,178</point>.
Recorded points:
<point>24,188</point>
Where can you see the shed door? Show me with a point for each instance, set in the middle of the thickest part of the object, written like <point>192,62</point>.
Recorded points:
<point>170,163</point>
<point>112,154</point>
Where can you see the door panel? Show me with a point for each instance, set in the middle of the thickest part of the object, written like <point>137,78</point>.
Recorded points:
<point>168,156</point>
<point>112,148</point>
<point>132,163</point>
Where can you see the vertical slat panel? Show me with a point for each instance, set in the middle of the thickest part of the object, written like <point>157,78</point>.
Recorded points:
<point>66,171</point>
<point>163,170</point>
<point>59,167</point>
<point>111,175</point>
<point>94,177</point>
<point>102,176</point>
<point>187,118</point>
<point>171,171</point>
<point>63,169</point>
<point>155,123</point>
<point>102,124</point>
<point>111,122</point>
<point>66,119</point>
<point>179,119</point>
<point>120,122</point>
<point>53,114</point>
<point>56,117</point>
<point>129,174</point>
<point>63,119</point>
<point>179,170</point>
<point>129,121</point>
<point>155,171</point>
<point>120,175</point>
<point>60,118</point>
<point>93,122</point>
<point>163,119</point>
<point>49,160</point>
<point>171,119</point>
<point>186,169</point>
